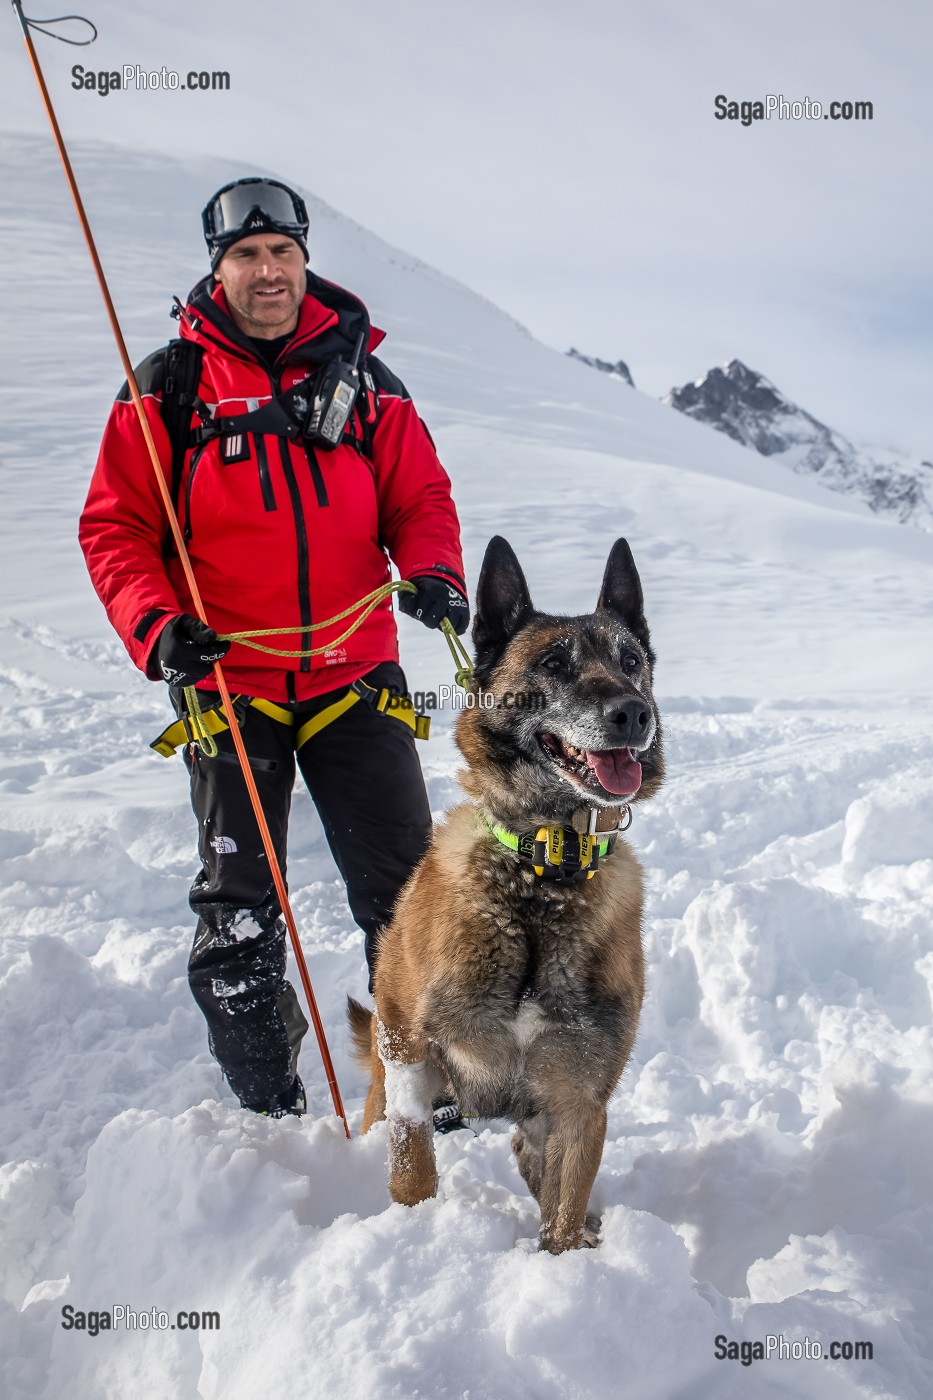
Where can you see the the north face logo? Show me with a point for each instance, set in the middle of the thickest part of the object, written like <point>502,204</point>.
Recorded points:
<point>224,845</point>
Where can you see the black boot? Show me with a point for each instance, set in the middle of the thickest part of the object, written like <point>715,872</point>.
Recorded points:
<point>293,1100</point>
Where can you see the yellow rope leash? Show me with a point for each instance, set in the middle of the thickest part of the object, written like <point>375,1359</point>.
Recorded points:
<point>199,733</point>
<point>461,657</point>
<point>368,604</point>
<point>462,662</point>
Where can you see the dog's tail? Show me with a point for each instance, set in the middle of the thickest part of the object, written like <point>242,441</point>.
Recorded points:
<point>360,1019</point>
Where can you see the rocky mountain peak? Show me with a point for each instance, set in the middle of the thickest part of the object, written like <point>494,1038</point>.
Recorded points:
<point>619,370</point>
<point>742,403</point>
<point>739,401</point>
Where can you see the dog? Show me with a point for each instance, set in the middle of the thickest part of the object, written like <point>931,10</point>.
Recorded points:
<point>511,976</point>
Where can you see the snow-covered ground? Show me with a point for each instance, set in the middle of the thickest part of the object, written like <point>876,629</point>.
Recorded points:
<point>767,1165</point>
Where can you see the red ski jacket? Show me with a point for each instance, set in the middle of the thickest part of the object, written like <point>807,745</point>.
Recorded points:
<point>279,534</point>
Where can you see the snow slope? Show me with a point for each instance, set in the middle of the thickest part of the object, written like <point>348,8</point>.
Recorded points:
<point>766,1170</point>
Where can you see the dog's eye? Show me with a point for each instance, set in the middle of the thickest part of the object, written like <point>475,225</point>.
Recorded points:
<point>630,662</point>
<point>554,662</point>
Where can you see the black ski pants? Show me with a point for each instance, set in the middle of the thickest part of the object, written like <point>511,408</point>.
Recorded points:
<point>365,779</point>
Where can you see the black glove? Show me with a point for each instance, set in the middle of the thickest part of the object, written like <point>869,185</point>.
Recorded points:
<point>435,600</point>
<point>187,649</point>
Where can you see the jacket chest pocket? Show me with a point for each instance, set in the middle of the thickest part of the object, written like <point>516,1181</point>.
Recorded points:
<point>243,447</point>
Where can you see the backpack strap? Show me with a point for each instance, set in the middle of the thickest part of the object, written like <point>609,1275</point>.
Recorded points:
<point>375,378</point>
<point>368,408</point>
<point>181,377</point>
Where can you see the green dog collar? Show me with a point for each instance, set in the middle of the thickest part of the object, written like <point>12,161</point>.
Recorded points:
<point>556,852</point>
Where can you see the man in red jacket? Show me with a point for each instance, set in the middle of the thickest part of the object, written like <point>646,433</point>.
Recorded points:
<point>284,526</point>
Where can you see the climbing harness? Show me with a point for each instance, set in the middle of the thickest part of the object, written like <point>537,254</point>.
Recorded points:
<point>199,726</point>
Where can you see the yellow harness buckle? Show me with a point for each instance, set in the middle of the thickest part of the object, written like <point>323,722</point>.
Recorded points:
<point>389,702</point>
<point>180,733</point>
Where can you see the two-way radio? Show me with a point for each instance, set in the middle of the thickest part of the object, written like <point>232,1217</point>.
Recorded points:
<point>334,391</point>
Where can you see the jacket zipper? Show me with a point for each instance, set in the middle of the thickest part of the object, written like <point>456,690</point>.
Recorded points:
<point>301,533</point>
<point>265,480</point>
<point>317,476</point>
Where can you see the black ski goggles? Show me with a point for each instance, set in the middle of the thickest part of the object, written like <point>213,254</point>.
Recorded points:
<point>249,206</point>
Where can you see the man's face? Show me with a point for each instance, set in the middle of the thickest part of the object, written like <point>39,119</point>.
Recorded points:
<point>263,278</point>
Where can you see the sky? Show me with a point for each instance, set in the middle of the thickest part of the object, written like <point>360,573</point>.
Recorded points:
<point>566,162</point>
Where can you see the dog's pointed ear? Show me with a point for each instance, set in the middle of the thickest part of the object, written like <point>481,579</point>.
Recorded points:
<point>621,591</point>
<point>503,602</point>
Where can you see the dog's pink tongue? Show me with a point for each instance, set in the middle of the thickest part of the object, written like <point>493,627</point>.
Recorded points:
<point>616,770</point>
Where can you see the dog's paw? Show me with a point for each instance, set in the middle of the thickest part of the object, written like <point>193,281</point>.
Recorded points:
<point>587,1237</point>
<point>412,1169</point>
<point>591,1231</point>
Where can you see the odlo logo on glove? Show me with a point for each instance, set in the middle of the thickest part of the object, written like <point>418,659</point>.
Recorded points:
<point>187,649</point>
<point>434,601</point>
